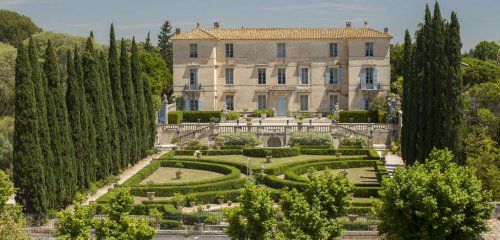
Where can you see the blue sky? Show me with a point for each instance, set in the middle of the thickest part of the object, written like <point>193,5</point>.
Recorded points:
<point>479,19</point>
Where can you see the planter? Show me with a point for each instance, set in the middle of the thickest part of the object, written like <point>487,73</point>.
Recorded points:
<point>245,115</point>
<point>229,203</point>
<point>319,115</point>
<point>268,159</point>
<point>178,174</point>
<point>150,195</point>
<point>220,201</point>
<point>208,206</point>
<point>249,123</point>
<point>192,204</point>
<point>198,226</point>
<point>338,154</point>
<point>299,123</point>
<point>352,217</point>
<point>198,154</point>
<point>372,227</point>
<point>263,115</point>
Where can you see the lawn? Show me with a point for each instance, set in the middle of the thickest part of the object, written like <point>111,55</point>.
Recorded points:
<point>166,175</point>
<point>257,162</point>
<point>366,175</point>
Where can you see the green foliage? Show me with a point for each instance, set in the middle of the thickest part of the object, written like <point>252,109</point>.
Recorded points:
<point>204,116</point>
<point>6,150</point>
<point>165,45</point>
<point>378,104</point>
<point>438,199</point>
<point>485,50</point>
<point>479,71</point>
<point>11,217</point>
<point>310,139</point>
<point>397,86</point>
<point>254,218</point>
<point>14,27</point>
<point>76,223</point>
<point>395,147</point>
<point>267,111</point>
<point>335,117</point>
<point>7,78</point>
<point>353,141</point>
<point>482,107</point>
<point>274,152</point>
<point>233,116</point>
<point>174,117</point>
<point>142,121</point>
<point>358,116</point>
<point>237,138</point>
<point>157,72</point>
<point>397,64</point>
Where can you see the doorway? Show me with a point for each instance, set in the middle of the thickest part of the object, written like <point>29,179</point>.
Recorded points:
<point>282,107</point>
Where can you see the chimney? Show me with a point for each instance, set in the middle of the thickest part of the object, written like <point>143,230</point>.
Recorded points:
<point>347,24</point>
<point>366,24</point>
<point>177,31</point>
<point>216,25</point>
<point>386,30</point>
<point>197,24</point>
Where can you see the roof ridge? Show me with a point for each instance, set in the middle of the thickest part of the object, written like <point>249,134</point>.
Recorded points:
<point>205,31</point>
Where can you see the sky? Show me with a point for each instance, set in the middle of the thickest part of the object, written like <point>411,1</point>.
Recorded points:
<point>479,19</point>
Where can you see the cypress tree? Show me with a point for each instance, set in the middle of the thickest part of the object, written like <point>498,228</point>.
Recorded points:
<point>147,46</point>
<point>61,141</point>
<point>28,158</point>
<point>89,157</point>
<point>142,121</point>
<point>114,136</point>
<point>44,132</point>
<point>148,97</point>
<point>95,98</point>
<point>119,105</point>
<point>129,100</point>
<point>408,138</point>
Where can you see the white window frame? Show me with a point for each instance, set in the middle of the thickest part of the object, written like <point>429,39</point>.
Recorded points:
<point>369,49</point>
<point>193,105</point>
<point>229,50</point>
<point>301,104</point>
<point>193,76</point>
<point>281,75</point>
<point>193,50</point>
<point>281,50</point>
<point>230,102</point>
<point>369,76</point>
<point>302,75</point>
<point>229,76</point>
<point>261,76</point>
<point>261,104</point>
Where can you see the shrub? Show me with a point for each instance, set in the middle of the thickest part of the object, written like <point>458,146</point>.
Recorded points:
<point>175,139</point>
<point>382,117</point>
<point>224,152</point>
<point>196,145</point>
<point>394,148</point>
<point>204,116</point>
<point>310,138</point>
<point>333,116</point>
<point>171,224</point>
<point>233,116</point>
<point>373,154</point>
<point>313,147</point>
<point>226,147</point>
<point>353,140</point>
<point>167,191</point>
<point>237,138</point>
<point>175,117</point>
<point>358,116</point>
<point>274,152</point>
<point>268,112</point>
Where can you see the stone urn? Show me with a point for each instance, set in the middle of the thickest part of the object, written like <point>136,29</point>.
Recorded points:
<point>220,201</point>
<point>344,173</point>
<point>268,159</point>
<point>263,115</point>
<point>198,226</point>
<point>208,206</point>
<point>372,227</point>
<point>217,147</point>
<point>198,154</point>
<point>150,195</point>
<point>178,174</point>
<point>352,217</point>
<point>229,203</point>
<point>338,154</point>
<point>192,204</point>
<point>319,115</point>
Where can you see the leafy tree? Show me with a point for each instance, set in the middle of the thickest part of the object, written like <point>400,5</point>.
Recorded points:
<point>7,75</point>
<point>142,114</point>
<point>76,223</point>
<point>6,140</point>
<point>11,217</point>
<point>254,217</point>
<point>479,71</point>
<point>482,103</point>
<point>397,87</point>
<point>435,200</point>
<point>14,27</point>
<point>29,176</point>
<point>129,100</point>
<point>396,61</point>
<point>485,50</point>
<point>120,225</point>
<point>157,72</point>
<point>165,44</point>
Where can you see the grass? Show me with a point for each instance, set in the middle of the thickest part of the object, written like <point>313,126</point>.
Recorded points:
<point>257,162</point>
<point>166,175</point>
<point>356,175</point>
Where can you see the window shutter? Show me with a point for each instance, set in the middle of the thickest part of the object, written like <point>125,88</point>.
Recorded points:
<point>200,105</point>
<point>339,75</point>
<point>187,104</point>
<point>363,78</point>
<point>362,105</point>
<point>327,76</point>
<point>300,75</point>
<point>375,79</point>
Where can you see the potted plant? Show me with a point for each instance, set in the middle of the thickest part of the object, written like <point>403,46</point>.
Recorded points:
<point>178,200</point>
<point>178,173</point>
<point>220,198</point>
<point>249,121</point>
<point>191,200</point>
<point>150,195</point>
<point>245,112</point>
<point>319,114</point>
<point>300,117</point>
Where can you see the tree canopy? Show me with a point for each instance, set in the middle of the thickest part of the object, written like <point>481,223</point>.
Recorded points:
<point>479,71</point>
<point>486,50</point>
<point>14,27</point>
<point>156,70</point>
<point>7,65</point>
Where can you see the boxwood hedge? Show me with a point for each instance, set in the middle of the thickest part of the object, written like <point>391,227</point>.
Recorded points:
<point>167,191</point>
<point>295,173</point>
<point>274,152</point>
<point>203,116</point>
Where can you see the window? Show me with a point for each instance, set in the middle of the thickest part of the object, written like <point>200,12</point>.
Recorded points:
<point>365,104</point>
<point>193,50</point>
<point>369,49</point>
<point>262,75</point>
<point>229,50</point>
<point>230,102</point>
<point>229,75</point>
<point>369,77</point>
<point>281,75</point>
<point>333,49</point>
<point>304,75</point>
<point>304,102</point>
<point>261,101</point>
<point>332,76</point>
<point>281,50</point>
<point>334,99</point>
<point>193,105</point>
<point>193,77</point>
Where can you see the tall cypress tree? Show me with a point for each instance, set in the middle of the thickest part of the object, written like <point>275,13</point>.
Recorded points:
<point>147,46</point>
<point>89,157</point>
<point>61,141</point>
<point>119,105</point>
<point>151,126</point>
<point>44,132</point>
<point>95,100</point>
<point>142,122</point>
<point>407,142</point>
<point>28,161</point>
<point>129,100</point>
<point>114,136</point>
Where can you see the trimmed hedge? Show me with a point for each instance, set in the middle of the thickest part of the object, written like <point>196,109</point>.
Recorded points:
<point>373,154</point>
<point>237,138</point>
<point>202,197</point>
<point>241,166</point>
<point>175,117</point>
<point>358,116</point>
<point>167,191</point>
<point>281,168</point>
<point>295,173</point>
<point>360,211</point>
<point>204,116</point>
<point>310,138</point>
<point>170,224</point>
<point>313,147</point>
<point>274,152</point>
<point>233,147</point>
<point>343,151</point>
<point>208,152</point>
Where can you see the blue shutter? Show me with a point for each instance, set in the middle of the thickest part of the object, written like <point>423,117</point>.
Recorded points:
<point>362,105</point>
<point>187,104</point>
<point>327,76</point>
<point>375,80</point>
<point>339,75</point>
<point>363,78</point>
<point>200,105</point>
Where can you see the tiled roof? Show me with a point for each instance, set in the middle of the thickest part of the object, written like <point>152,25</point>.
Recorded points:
<point>279,33</point>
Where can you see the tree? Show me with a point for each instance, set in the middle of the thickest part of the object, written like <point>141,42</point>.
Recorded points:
<point>141,108</point>
<point>147,46</point>
<point>410,103</point>
<point>165,44</point>
<point>148,97</point>
<point>254,217</point>
<point>129,100</point>
<point>120,225</point>
<point>479,71</point>
<point>76,223</point>
<point>29,175</point>
<point>7,78</point>
<point>14,27</point>
<point>435,200</point>
<point>485,50</point>
<point>11,217</point>
<point>396,61</point>
<point>157,72</point>
<point>482,104</point>
<point>119,104</point>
